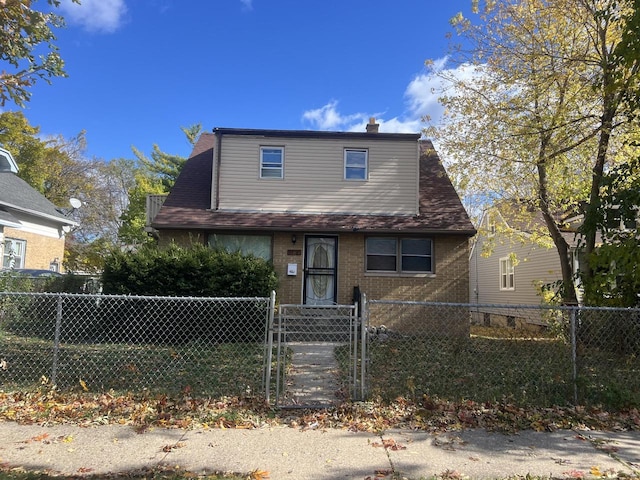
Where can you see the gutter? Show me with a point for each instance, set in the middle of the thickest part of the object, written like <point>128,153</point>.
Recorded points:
<point>40,214</point>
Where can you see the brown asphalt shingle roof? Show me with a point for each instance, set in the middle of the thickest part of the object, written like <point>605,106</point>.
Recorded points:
<point>188,206</point>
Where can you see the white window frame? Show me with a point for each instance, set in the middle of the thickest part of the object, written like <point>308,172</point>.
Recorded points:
<point>491,225</point>
<point>271,166</point>
<point>399,255</point>
<point>351,167</point>
<point>507,274</point>
<point>18,256</point>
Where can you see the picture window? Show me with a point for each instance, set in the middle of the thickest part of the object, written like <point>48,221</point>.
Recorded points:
<point>400,255</point>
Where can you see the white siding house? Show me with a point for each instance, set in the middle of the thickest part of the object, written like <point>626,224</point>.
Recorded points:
<point>508,265</point>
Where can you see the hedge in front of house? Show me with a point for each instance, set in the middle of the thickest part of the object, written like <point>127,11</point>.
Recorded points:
<point>197,271</point>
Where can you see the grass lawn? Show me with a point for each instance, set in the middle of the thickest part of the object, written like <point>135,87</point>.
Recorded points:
<point>145,474</point>
<point>492,365</point>
<point>201,368</point>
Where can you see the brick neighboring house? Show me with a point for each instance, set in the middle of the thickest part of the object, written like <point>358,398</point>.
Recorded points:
<point>31,228</point>
<point>332,210</point>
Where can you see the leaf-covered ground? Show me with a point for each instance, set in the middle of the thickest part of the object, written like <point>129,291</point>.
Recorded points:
<point>184,411</point>
<point>158,473</point>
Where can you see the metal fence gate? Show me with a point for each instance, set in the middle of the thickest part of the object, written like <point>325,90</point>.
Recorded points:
<point>316,356</point>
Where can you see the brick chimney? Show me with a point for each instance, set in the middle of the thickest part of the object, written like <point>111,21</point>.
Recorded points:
<point>372,126</point>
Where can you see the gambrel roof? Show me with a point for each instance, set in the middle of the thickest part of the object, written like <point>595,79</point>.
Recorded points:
<point>188,206</point>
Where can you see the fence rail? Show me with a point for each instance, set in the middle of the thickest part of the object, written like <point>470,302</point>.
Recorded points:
<point>219,346</point>
<point>212,346</point>
<point>538,355</point>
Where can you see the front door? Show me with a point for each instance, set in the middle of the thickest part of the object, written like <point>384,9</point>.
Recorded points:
<point>320,270</point>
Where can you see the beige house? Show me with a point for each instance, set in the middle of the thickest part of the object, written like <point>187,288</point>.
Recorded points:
<point>511,260</point>
<point>331,210</point>
<point>31,228</point>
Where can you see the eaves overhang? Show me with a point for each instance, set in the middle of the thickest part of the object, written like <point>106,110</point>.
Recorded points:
<point>59,219</point>
<point>315,134</point>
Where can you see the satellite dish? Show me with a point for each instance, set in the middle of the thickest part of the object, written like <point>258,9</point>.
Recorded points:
<point>75,203</point>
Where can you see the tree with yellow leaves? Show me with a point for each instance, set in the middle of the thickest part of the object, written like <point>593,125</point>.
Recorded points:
<point>545,111</point>
<point>23,31</point>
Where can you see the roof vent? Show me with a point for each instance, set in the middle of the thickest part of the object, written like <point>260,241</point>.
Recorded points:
<point>372,126</point>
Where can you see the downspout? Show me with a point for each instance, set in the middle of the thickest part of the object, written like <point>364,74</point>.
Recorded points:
<point>217,169</point>
<point>419,153</point>
<point>477,287</point>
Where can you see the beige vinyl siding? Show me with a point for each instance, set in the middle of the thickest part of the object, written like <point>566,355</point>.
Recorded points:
<point>314,177</point>
<point>535,265</point>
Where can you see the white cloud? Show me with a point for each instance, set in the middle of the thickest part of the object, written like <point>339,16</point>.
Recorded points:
<point>420,101</point>
<point>328,117</point>
<point>95,15</point>
<point>421,97</point>
<point>247,4</point>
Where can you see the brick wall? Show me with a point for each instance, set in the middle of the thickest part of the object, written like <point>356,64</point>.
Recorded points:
<point>450,283</point>
<point>40,251</point>
<point>284,253</point>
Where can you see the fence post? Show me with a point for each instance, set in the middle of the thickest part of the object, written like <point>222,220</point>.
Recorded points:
<point>269,346</point>
<point>56,341</point>
<point>364,324</point>
<point>574,355</point>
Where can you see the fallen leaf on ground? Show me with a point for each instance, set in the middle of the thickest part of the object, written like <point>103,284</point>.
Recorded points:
<point>383,472</point>
<point>38,438</point>
<point>168,448</point>
<point>574,474</point>
<point>389,444</point>
<point>259,475</point>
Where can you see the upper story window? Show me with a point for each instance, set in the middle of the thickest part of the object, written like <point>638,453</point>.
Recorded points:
<point>507,274</point>
<point>356,164</point>
<point>399,255</point>
<point>13,253</point>
<point>491,224</point>
<point>271,162</point>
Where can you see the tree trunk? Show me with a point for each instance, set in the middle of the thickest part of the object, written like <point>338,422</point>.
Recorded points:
<point>596,182</point>
<point>569,296</point>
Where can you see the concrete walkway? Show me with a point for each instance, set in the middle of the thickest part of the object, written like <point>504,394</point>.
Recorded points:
<point>288,453</point>
<point>312,380</point>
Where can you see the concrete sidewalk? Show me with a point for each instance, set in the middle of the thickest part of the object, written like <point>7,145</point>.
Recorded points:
<point>288,453</point>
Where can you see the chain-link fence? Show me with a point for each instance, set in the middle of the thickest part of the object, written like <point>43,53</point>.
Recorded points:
<point>527,355</point>
<point>219,346</point>
<point>312,343</point>
<point>209,346</point>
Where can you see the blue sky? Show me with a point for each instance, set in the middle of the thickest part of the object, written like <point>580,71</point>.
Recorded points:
<point>141,69</point>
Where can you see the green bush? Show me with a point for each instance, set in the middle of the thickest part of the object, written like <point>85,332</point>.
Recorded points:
<point>11,281</point>
<point>197,271</point>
